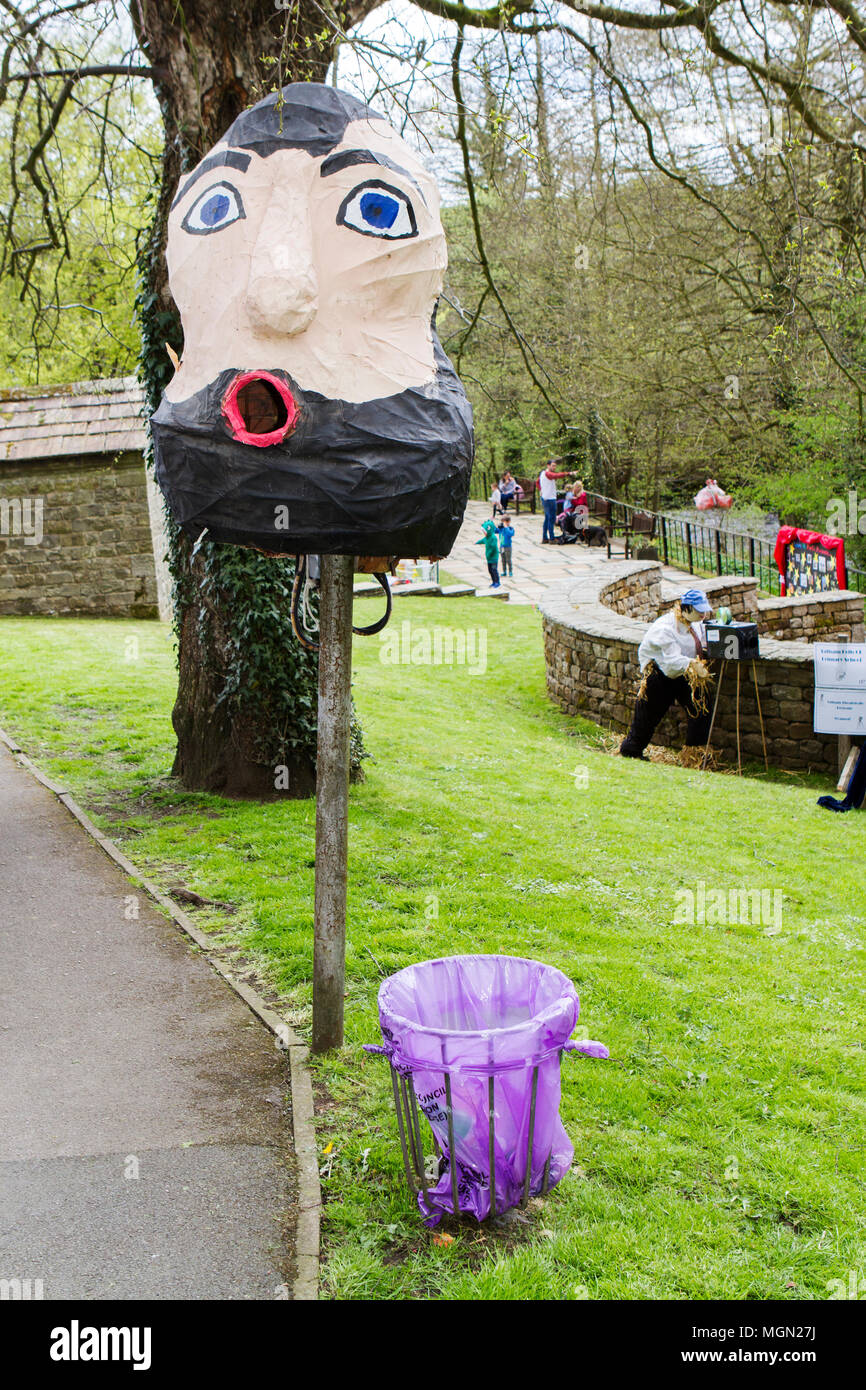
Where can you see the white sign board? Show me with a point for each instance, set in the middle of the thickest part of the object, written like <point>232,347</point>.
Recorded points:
<point>840,665</point>
<point>840,688</point>
<point>839,713</point>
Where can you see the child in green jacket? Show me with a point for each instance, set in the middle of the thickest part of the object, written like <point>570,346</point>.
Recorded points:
<point>490,541</point>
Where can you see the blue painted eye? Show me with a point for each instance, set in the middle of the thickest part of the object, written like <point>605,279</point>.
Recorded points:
<point>216,208</point>
<point>377,209</point>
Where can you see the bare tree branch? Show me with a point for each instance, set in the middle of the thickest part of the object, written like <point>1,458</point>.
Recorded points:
<point>100,70</point>
<point>525,351</point>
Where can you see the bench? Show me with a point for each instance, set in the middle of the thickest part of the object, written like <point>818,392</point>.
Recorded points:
<point>632,526</point>
<point>525,494</point>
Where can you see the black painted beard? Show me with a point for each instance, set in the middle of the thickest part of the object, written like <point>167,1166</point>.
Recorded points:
<point>384,477</point>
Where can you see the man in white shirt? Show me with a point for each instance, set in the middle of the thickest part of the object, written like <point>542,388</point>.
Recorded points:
<point>672,643</point>
<point>547,479</point>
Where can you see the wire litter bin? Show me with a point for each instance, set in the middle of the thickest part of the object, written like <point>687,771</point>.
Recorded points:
<point>475,1045</point>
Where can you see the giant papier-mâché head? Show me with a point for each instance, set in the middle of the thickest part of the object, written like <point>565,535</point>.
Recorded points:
<point>313,410</point>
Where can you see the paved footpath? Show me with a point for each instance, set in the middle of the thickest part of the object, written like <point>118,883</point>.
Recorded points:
<point>145,1143</point>
<point>536,566</point>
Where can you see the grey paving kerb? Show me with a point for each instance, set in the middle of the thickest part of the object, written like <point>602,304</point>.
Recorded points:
<point>145,1129</point>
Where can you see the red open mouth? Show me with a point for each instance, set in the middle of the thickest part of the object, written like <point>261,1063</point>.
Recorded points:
<point>260,408</point>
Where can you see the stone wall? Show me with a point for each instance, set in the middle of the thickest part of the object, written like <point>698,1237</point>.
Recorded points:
<point>592,667</point>
<point>95,554</point>
<point>740,595</point>
<point>813,618</point>
<point>637,593</point>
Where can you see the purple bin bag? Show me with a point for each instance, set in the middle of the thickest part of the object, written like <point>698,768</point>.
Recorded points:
<point>473,1017</point>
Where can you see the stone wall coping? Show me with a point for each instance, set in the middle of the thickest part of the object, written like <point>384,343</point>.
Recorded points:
<point>803,600</point>
<point>731,583</point>
<point>578,604</point>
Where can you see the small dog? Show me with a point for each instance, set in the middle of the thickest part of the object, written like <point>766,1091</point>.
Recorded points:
<point>593,535</point>
<point>589,535</point>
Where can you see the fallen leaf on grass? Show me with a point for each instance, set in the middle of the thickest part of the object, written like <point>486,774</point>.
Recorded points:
<point>443,1240</point>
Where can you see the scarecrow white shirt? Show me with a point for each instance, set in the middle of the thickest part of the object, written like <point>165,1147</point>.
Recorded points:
<point>670,645</point>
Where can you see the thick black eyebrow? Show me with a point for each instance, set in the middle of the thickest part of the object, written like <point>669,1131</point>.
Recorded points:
<point>232,159</point>
<point>344,159</point>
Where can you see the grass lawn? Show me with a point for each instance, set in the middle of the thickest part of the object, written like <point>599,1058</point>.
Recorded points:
<point>720,1152</point>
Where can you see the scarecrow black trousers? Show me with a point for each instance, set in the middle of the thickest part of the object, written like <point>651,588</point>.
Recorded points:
<point>661,692</point>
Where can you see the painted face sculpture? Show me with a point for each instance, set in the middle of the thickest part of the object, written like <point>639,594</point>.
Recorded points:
<point>313,410</point>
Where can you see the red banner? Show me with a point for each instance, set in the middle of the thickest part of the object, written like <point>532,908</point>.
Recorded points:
<point>809,568</point>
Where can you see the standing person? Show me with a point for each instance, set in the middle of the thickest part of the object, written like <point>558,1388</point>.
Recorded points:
<point>547,479</point>
<point>506,536</point>
<point>491,552</point>
<point>496,499</point>
<point>671,646</point>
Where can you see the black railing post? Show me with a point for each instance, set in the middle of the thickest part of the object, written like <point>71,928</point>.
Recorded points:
<point>718,552</point>
<point>664,531</point>
<point>689,545</point>
<point>752,555</point>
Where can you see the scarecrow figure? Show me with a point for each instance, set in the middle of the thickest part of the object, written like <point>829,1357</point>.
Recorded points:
<point>673,672</point>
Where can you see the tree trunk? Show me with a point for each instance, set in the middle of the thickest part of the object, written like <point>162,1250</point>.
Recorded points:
<point>245,713</point>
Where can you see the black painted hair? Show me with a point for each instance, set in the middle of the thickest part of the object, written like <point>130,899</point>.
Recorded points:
<point>303,116</point>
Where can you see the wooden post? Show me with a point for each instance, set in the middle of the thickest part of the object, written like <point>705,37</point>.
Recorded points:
<point>843,754</point>
<point>332,799</point>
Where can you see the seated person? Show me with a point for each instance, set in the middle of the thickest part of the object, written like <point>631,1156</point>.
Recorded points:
<point>575,510</point>
<point>576,496</point>
<point>507,489</point>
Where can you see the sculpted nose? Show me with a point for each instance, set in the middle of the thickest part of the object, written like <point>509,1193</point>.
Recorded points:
<point>283,289</point>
